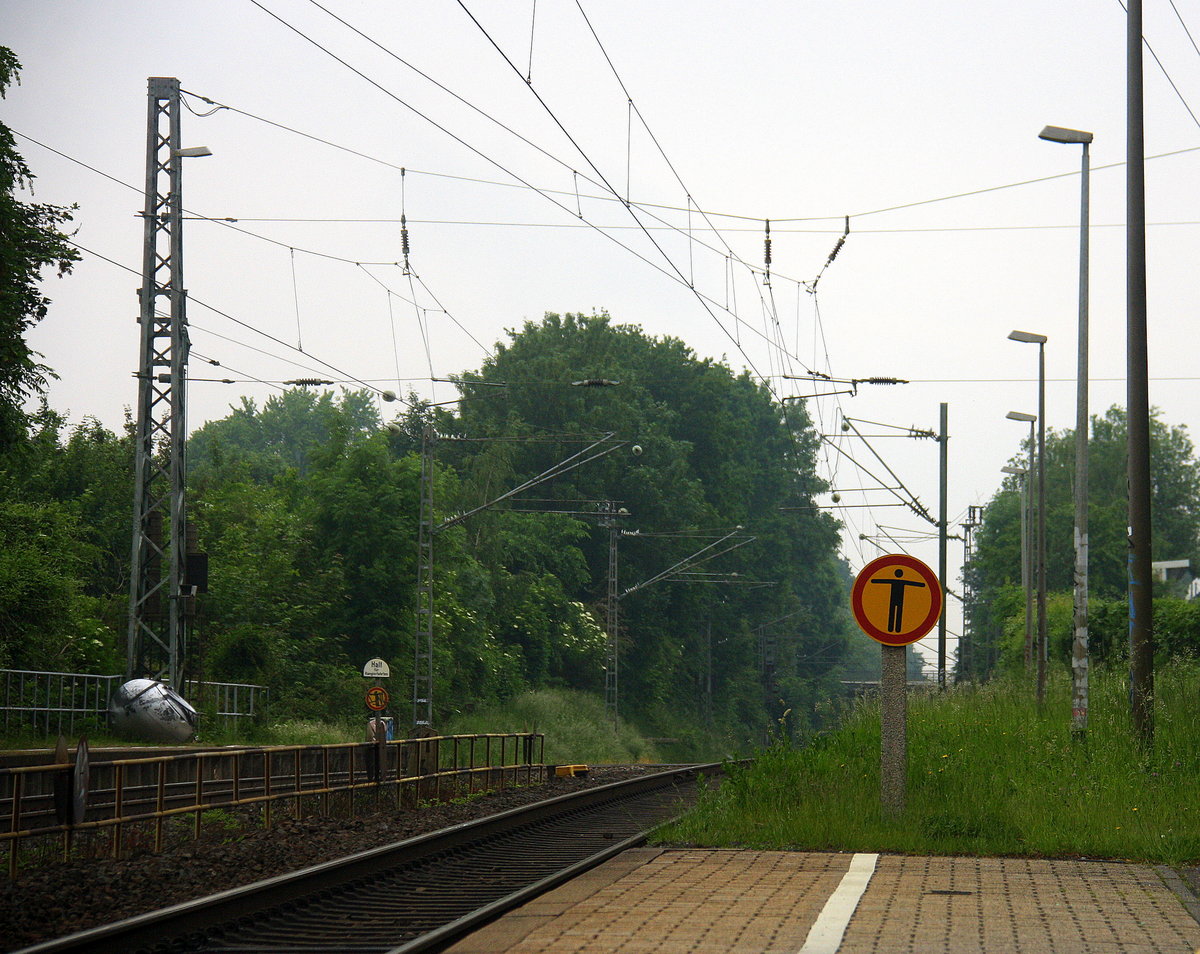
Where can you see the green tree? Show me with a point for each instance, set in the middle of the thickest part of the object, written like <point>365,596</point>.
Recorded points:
<point>46,620</point>
<point>1175,516</point>
<point>717,452</point>
<point>309,513</point>
<point>269,597</point>
<point>284,434</point>
<point>92,469</point>
<point>30,240</point>
<point>306,518</point>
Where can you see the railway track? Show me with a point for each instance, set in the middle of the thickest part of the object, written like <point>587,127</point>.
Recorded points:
<point>45,803</point>
<point>415,895</point>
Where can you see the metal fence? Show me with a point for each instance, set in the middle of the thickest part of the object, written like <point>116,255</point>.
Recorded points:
<point>227,700</point>
<point>56,703</point>
<point>118,808</point>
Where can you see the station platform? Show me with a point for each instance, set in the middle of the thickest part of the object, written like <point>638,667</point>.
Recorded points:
<point>695,901</point>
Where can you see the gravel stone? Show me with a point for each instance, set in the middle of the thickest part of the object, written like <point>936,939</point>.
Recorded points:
<point>60,899</point>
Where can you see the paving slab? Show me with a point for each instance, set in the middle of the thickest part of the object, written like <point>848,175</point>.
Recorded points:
<point>679,901</point>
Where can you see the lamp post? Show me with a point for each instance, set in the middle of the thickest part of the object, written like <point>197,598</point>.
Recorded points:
<point>1079,643</point>
<point>1027,571</point>
<point>1023,473</point>
<point>1029,337</point>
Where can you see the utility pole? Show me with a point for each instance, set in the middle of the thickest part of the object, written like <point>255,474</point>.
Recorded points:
<point>708,674</point>
<point>615,597</point>
<point>766,657</point>
<point>158,594</point>
<point>422,697</point>
<point>1141,594</point>
<point>422,700</point>
<point>943,520</point>
<point>974,519</point>
<point>611,609</point>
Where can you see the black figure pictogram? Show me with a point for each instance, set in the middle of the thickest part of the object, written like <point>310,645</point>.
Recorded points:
<point>896,605</point>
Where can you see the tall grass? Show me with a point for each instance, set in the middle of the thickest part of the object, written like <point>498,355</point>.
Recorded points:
<point>988,773</point>
<point>576,726</point>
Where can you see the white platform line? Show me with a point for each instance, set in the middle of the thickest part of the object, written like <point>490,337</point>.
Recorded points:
<point>830,927</point>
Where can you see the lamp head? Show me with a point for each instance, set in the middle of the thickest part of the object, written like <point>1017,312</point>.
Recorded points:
<point>191,152</point>
<point>1021,416</point>
<point>1028,337</point>
<point>1017,471</point>
<point>1069,136</point>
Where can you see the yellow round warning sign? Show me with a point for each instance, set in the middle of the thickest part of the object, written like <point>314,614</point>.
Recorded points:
<point>896,599</point>
<point>377,698</point>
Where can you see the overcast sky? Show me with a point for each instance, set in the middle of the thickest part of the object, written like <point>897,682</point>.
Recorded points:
<point>798,112</point>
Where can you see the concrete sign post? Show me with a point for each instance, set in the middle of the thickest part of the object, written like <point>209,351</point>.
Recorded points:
<point>896,600</point>
<point>893,704</point>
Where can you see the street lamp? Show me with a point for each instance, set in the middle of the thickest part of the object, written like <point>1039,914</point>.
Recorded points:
<point>1029,337</point>
<point>1027,571</point>
<point>1079,643</point>
<point>1023,473</point>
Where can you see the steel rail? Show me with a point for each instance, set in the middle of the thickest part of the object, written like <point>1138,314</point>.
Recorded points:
<point>289,912</point>
<point>259,777</point>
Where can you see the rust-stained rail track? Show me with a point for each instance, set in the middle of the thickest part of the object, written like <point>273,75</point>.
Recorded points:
<point>415,895</point>
<point>40,802</point>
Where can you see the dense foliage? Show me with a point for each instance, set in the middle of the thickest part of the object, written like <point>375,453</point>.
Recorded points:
<point>990,773</point>
<point>308,509</point>
<point>995,571</point>
<point>64,546</point>
<point>30,240</point>
<point>308,504</point>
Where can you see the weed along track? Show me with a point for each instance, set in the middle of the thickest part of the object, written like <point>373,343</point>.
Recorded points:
<point>416,894</point>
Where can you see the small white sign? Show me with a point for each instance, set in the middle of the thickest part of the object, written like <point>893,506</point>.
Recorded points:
<point>377,669</point>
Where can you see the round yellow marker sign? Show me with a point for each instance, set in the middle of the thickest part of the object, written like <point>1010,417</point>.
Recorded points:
<point>896,599</point>
<point>377,698</point>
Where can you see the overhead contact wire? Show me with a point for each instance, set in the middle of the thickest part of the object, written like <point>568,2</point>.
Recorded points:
<point>675,268</point>
<point>249,327</point>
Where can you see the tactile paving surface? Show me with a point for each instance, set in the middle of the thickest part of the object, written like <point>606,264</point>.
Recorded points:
<point>670,902</point>
<point>679,902</point>
<point>1017,906</point>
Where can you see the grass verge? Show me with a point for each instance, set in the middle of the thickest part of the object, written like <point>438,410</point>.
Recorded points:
<point>988,774</point>
<point>576,726</point>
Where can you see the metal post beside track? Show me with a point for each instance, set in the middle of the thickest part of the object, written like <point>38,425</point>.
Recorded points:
<point>118,809</point>
<point>267,788</point>
<point>297,762</point>
<point>18,785</point>
<point>160,803</point>
<point>128,795</point>
<point>196,816</point>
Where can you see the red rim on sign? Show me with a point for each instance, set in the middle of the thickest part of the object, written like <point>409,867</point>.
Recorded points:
<point>896,599</point>
<point>377,698</point>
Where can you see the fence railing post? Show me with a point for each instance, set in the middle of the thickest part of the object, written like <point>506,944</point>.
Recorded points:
<point>18,785</point>
<point>263,775</point>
